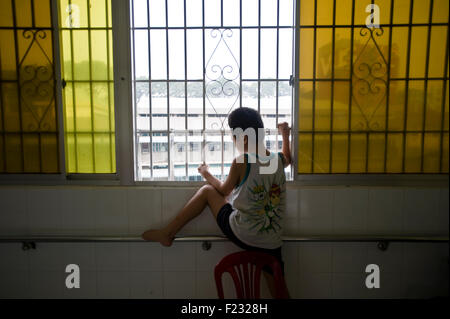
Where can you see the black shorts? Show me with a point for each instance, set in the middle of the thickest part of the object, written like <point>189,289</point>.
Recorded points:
<point>223,220</point>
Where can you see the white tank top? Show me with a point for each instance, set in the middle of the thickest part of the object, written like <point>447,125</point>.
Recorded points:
<point>258,205</point>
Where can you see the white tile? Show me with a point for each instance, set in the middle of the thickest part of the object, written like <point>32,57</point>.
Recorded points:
<point>81,254</point>
<point>425,258</point>
<point>315,226</point>
<point>205,285</point>
<point>349,286</point>
<point>316,203</point>
<point>173,200</point>
<point>179,284</point>
<point>385,215</point>
<point>144,209</point>
<point>206,260</point>
<point>290,256</point>
<point>47,284</point>
<point>315,285</point>
<point>292,202</point>
<point>315,258</point>
<point>390,260</point>
<point>349,257</point>
<point>78,217</point>
<point>12,257</point>
<point>112,256</point>
<point>113,284</point>
<point>421,211</point>
<point>179,257</point>
<point>391,286</point>
<point>87,289</point>
<point>13,211</point>
<point>146,257</point>
<point>146,285</point>
<point>350,211</point>
<point>44,211</point>
<point>424,285</point>
<point>443,215</point>
<point>14,284</point>
<point>206,224</point>
<point>47,256</point>
<point>109,209</point>
<point>290,226</point>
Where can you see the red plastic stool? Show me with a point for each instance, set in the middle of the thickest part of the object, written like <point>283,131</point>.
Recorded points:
<point>245,270</point>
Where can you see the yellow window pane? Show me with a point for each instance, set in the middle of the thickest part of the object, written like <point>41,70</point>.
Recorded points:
<point>81,55</point>
<point>431,149</point>
<point>50,153</point>
<point>343,12</point>
<point>31,153</point>
<point>437,52</point>
<point>83,115</point>
<point>85,162</point>
<point>440,11</point>
<point>445,154</point>
<point>421,11</point>
<point>306,12</point>
<point>413,154</point>
<point>66,55</point>
<point>323,53</point>
<point>414,118</point>
<point>385,10</point>
<point>325,12</point>
<point>418,52</point>
<point>98,13</point>
<point>321,153</point>
<point>23,13</point>
<point>394,153</point>
<point>342,53</point>
<point>71,154</point>
<point>433,114</point>
<point>13,149</point>
<point>322,109</point>
<point>42,13</point>
<point>306,53</point>
<point>101,108</point>
<point>360,12</point>
<point>6,14</point>
<point>375,162</point>
<point>396,113</point>
<point>399,52</point>
<point>305,106</point>
<point>99,55</point>
<point>401,11</point>
<point>304,153</point>
<point>358,146</point>
<point>339,153</point>
<point>103,155</point>
<point>341,105</point>
<point>7,55</point>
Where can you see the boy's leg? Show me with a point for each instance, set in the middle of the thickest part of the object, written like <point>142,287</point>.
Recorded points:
<point>207,195</point>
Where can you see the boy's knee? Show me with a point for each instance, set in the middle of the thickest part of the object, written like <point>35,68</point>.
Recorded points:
<point>206,189</point>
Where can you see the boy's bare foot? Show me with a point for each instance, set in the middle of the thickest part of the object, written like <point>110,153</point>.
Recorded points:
<point>158,235</point>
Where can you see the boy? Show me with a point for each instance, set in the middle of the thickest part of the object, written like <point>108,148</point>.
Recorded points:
<point>251,216</point>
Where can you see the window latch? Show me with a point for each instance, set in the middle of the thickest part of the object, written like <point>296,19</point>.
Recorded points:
<point>291,80</point>
<point>63,83</point>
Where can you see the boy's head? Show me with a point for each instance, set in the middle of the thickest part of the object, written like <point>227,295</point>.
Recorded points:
<point>244,118</point>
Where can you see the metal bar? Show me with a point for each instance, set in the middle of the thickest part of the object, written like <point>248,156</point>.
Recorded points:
<point>296,85</point>
<point>405,113</point>
<point>168,90</point>
<point>259,56</point>
<point>185,94</point>
<point>349,140</point>
<point>366,169</point>
<point>444,92</point>
<point>150,118</point>
<point>109,87</point>
<point>424,111</point>
<point>386,124</point>
<point>19,95</point>
<point>333,238</point>
<point>137,170</point>
<point>91,95</point>
<point>240,56</point>
<point>2,110</point>
<point>314,87</point>
<point>277,66</point>
<point>333,44</point>
<point>204,84</point>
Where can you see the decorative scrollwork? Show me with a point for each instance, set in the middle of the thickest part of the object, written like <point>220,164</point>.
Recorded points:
<point>221,72</point>
<point>36,81</point>
<point>369,82</point>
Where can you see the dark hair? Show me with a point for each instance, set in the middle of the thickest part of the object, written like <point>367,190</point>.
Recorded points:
<point>245,117</point>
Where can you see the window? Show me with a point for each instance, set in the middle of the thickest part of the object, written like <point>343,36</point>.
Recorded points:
<point>195,61</point>
<point>373,100</point>
<point>88,93</point>
<point>29,140</point>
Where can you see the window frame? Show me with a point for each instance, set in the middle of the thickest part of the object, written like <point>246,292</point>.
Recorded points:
<point>124,137</point>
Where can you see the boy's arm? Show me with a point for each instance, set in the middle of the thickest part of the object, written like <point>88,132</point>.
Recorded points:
<point>284,129</point>
<point>227,186</point>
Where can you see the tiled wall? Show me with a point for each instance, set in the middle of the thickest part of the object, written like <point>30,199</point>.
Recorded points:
<point>185,270</point>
